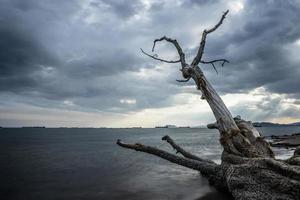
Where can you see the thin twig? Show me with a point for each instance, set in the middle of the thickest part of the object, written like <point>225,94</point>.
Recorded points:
<point>160,59</point>
<point>213,61</point>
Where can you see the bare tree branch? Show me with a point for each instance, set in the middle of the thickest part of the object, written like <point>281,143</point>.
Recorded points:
<point>219,23</point>
<point>177,46</point>
<point>206,168</point>
<point>200,52</point>
<point>213,65</point>
<point>182,151</point>
<point>160,59</point>
<point>213,61</point>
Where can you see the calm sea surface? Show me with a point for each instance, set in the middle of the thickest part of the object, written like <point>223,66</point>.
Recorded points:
<point>70,163</point>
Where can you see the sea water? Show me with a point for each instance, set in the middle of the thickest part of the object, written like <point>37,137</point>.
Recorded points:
<point>86,163</point>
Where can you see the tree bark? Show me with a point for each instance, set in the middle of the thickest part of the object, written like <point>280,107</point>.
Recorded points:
<point>249,169</point>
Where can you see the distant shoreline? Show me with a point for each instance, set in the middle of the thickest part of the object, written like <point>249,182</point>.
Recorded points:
<point>270,124</point>
<point>256,124</point>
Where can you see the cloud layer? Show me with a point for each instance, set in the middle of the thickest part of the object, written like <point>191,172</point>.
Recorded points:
<point>83,56</point>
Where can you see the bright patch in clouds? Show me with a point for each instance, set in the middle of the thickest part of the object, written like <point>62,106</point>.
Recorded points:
<point>68,103</point>
<point>128,101</point>
<point>236,6</point>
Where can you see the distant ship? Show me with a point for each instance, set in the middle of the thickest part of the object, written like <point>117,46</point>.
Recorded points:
<point>166,126</point>
<point>33,127</point>
<point>161,127</point>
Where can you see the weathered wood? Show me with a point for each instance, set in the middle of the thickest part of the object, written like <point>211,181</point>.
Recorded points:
<point>205,167</point>
<point>248,170</point>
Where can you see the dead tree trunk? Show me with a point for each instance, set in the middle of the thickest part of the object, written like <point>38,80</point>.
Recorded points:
<point>248,169</point>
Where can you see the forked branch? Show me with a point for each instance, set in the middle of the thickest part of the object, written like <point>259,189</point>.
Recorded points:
<point>213,61</point>
<point>217,60</point>
<point>182,151</point>
<point>200,52</point>
<point>206,168</point>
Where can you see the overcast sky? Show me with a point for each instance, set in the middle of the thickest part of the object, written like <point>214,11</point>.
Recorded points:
<point>78,63</point>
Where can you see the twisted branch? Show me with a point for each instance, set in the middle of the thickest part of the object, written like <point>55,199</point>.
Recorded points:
<point>177,46</point>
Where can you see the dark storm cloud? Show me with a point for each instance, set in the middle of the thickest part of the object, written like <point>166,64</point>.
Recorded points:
<point>102,63</point>
<point>37,43</point>
<point>20,56</point>
<point>86,53</point>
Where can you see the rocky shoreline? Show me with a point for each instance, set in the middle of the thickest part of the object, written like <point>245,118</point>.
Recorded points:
<point>286,141</point>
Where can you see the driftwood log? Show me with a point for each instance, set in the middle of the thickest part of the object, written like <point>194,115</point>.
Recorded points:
<point>248,169</point>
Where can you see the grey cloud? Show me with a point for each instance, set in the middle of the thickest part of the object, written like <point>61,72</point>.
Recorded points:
<point>32,65</point>
<point>121,8</point>
<point>104,62</point>
<point>189,3</point>
<point>86,52</point>
<point>20,56</point>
